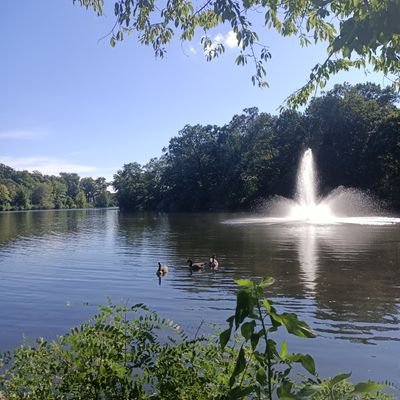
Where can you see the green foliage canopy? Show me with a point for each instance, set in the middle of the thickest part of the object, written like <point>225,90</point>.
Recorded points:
<point>255,156</point>
<point>356,32</point>
<point>42,196</point>
<point>22,190</point>
<point>4,197</point>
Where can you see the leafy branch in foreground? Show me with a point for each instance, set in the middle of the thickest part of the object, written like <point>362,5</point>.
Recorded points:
<point>356,32</point>
<point>131,353</point>
<point>257,319</point>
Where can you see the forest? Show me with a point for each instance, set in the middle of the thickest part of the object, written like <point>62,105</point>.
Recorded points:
<point>353,130</point>
<point>23,190</point>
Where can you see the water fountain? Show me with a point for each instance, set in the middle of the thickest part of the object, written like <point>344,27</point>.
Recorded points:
<point>341,206</point>
<point>342,253</point>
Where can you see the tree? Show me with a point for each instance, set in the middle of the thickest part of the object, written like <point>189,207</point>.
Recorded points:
<point>80,200</point>
<point>356,32</point>
<point>290,138</point>
<point>256,155</point>
<point>88,186</point>
<point>340,125</point>
<point>21,199</point>
<point>130,187</point>
<point>103,199</point>
<point>4,197</point>
<point>59,193</point>
<point>93,188</point>
<point>153,174</point>
<point>42,196</point>
<point>256,158</point>
<point>46,191</point>
<point>72,182</point>
<point>101,184</point>
<point>190,173</point>
<point>383,154</point>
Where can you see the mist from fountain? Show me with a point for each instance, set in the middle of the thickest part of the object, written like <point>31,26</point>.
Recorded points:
<point>341,206</point>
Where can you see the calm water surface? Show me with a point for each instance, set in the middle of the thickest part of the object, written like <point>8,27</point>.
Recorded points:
<point>344,280</point>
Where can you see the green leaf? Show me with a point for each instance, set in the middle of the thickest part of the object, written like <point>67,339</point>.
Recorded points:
<point>365,387</point>
<point>267,305</point>
<point>247,329</point>
<point>305,360</point>
<point>267,281</point>
<point>338,378</point>
<point>284,349</point>
<point>308,363</point>
<point>255,338</point>
<point>224,337</point>
<point>245,283</point>
<point>295,326</point>
<point>275,319</point>
<point>245,303</point>
<point>346,52</point>
<point>239,367</point>
<point>261,376</point>
<point>285,391</point>
<point>308,390</point>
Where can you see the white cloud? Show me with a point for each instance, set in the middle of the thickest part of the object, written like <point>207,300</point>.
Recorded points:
<point>230,40</point>
<point>46,165</point>
<point>22,134</point>
<point>192,50</point>
<point>219,38</point>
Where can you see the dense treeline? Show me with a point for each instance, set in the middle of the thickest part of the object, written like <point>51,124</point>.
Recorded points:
<point>354,132</point>
<point>22,190</point>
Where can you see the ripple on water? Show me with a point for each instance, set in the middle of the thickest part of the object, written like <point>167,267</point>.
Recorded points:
<point>343,279</point>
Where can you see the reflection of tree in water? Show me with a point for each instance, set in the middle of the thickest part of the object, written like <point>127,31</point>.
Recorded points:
<point>23,225</point>
<point>242,252</point>
<point>348,271</point>
<point>174,238</point>
<point>359,281</point>
<point>362,292</point>
<point>27,224</point>
<point>142,236</point>
<point>133,227</point>
<point>346,276</point>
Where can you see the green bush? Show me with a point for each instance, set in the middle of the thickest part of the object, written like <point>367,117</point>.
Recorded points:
<point>131,353</point>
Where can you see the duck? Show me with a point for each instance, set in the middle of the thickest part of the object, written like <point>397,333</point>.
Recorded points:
<point>213,263</point>
<point>198,266</point>
<point>162,269</point>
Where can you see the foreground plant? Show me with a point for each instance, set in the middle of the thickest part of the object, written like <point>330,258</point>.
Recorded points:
<point>257,319</point>
<point>131,353</point>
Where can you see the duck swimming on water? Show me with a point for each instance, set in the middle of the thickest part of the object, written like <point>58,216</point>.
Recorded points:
<point>197,266</point>
<point>214,263</point>
<point>162,269</point>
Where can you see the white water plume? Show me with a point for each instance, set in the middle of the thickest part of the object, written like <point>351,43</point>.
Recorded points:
<point>341,206</point>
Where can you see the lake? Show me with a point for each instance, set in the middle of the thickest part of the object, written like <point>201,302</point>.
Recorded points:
<point>344,280</point>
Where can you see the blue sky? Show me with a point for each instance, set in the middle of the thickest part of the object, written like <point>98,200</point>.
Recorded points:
<point>72,103</point>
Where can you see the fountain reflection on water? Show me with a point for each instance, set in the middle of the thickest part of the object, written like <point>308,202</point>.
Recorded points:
<point>308,257</point>
<point>314,218</point>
